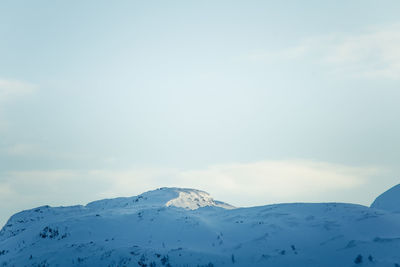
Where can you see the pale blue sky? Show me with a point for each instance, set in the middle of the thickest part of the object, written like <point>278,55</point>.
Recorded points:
<point>102,99</point>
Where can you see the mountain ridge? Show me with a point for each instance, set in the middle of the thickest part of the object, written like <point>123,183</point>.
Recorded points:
<point>186,227</point>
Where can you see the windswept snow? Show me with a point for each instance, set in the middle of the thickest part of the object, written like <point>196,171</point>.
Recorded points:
<point>193,199</point>
<point>186,227</point>
<point>175,197</point>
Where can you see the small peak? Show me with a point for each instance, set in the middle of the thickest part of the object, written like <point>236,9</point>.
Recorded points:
<point>389,200</point>
<point>191,199</point>
<point>186,198</point>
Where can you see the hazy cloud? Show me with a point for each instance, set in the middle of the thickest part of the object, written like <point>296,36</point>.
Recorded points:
<point>22,149</point>
<point>374,53</point>
<point>280,181</point>
<point>12,88</point>
<point>254,183</point>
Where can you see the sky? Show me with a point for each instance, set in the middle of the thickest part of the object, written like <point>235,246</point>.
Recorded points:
<point>255,102</point>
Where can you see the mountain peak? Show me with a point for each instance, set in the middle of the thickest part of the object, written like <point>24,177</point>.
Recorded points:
<point>389,200</point>
<point>166,196</point>
<point>193,199</point>
<point>186,198</point>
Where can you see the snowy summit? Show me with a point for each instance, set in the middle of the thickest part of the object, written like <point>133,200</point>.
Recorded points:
<point>175,197</point>
<point>187,227</point>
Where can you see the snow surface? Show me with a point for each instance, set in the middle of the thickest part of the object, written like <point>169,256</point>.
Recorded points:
<point>186,227</point>
<point>389,200</point>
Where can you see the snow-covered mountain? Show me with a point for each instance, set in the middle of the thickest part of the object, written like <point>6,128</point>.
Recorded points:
<point>390,200</point>
<point>186,227</point>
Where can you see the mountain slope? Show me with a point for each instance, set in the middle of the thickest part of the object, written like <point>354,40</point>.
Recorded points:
<point>389,200</point>
<point>185,227</point>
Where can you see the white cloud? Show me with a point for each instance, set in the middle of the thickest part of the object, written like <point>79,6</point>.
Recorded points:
<point>12,88</point>
<point>371,54</point>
